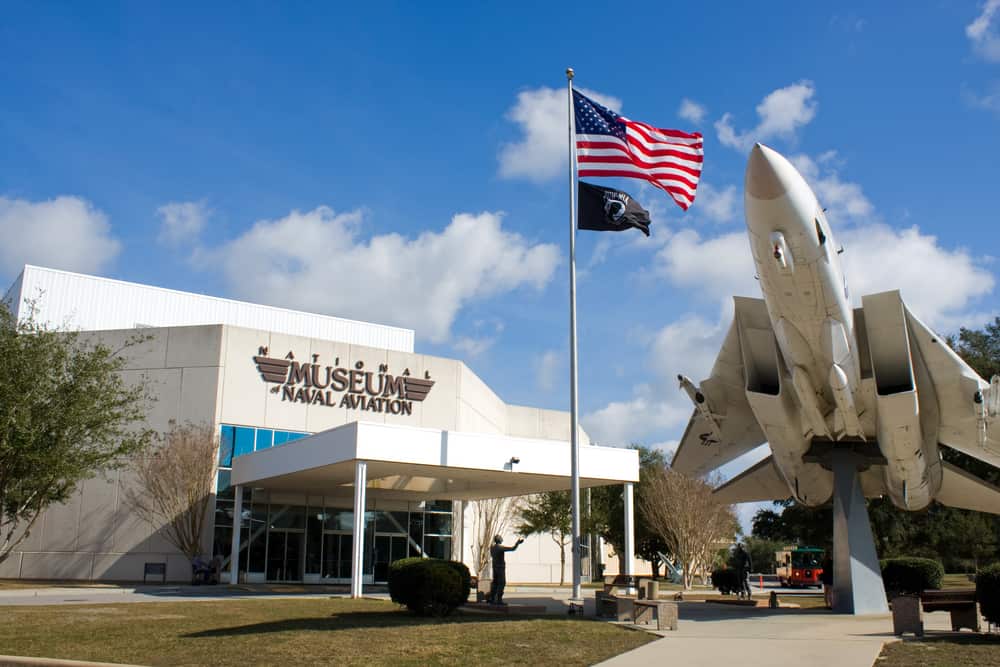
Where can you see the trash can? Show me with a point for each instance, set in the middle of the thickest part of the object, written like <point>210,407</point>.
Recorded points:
<point>652,589</point>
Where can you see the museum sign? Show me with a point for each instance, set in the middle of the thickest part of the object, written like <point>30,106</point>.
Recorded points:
<point>355,388</point>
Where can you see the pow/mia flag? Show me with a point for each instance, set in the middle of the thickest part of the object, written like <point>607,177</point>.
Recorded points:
<point>607,210</point>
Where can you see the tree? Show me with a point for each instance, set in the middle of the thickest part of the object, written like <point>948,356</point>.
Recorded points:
<point>490,517</point>
<point>685,513</point>
<point>608,512</point>
<point>66,413</point>
<point>548,512</point>
<point>173,485</point>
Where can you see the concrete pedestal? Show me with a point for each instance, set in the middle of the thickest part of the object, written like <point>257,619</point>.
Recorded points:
<point>857,578</point>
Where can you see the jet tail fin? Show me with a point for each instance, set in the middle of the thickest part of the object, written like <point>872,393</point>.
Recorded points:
<point>759,483</point>
<point>966,491</point>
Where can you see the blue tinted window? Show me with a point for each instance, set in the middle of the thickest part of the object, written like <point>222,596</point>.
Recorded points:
<point>243,441</point>
<point>280,438</point>
<point>224,483</point>
<point>226,447</point>
<point>264,438</point>
<point>296,436</point>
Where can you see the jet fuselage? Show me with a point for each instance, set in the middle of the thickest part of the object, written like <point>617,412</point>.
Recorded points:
<point>819,365</point>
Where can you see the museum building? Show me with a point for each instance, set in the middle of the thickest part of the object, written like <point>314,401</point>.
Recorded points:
<point>329,429</point>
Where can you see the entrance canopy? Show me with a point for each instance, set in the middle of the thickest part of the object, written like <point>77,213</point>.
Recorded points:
<point>409,463</point>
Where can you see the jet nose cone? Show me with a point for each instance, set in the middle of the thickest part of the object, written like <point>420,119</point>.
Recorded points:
<point>763,179</point>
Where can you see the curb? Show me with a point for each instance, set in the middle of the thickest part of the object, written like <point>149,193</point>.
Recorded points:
<point>12,660</point>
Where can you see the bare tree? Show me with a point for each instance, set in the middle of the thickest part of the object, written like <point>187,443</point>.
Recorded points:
<point>490,517</point>
<point>173,485</point>
<point>683,511</point>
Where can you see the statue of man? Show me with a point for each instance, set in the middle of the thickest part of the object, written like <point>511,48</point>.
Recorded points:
<point>743,566</point>
<point>497,554</point>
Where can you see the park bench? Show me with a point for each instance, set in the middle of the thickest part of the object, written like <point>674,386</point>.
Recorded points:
<point>664,612</point>
<point>610,603</point>
<point>961,603</point>
<point>154,570</point>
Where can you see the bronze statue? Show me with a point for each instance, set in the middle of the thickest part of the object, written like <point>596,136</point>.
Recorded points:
<point>497,554</point>
<point>743,566</point>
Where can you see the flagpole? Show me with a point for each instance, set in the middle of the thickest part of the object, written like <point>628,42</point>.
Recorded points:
<point>574,430</point>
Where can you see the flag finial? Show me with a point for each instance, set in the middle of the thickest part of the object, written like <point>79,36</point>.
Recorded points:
<point>569,73</point>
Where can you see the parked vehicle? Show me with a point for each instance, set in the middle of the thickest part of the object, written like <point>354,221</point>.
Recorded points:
<point>800,566</point>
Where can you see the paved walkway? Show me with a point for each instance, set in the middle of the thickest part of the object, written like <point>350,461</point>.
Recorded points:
<point>713,635</point>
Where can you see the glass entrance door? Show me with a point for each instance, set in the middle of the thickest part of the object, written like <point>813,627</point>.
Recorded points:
<point>285,555</point>
<point>337,556</point>
<point>388,549</point>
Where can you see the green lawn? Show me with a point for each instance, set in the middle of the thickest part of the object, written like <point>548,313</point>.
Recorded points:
<point>301,631</point>
<point>955,651</point>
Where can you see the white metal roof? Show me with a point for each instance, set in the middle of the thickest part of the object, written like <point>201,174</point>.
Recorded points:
<point>91,303</point>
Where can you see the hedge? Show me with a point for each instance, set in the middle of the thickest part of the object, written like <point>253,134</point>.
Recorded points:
<point>429,586</point>
<point>726,580</point>
<point>988,592</point>
<point>902,576</point>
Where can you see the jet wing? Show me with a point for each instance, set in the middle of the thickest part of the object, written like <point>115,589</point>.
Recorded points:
<point>955,384</point>
<point>759,483</point>
<point>966,491</point>
<point>700,451</point>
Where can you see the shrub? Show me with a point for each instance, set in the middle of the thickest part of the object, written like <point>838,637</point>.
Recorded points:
<point>466,578</point>
<point>913,576</point>
<point>988,592</point>
<point>428,586</point>
<point>726,580</point>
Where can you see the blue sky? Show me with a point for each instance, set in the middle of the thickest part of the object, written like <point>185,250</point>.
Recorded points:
<point>404,163</point>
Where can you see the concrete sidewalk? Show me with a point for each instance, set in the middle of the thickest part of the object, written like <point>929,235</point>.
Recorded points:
<point>714,635</point>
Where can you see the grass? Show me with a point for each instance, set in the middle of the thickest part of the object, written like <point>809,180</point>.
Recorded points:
<point>952,651</point>
<point>301,631</point>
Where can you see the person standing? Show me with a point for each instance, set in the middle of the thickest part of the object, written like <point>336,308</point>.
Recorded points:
<point>498,555</point>
<point>743,566</point>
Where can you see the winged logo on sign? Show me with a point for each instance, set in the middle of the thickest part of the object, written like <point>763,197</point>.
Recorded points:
<point>272,370</point>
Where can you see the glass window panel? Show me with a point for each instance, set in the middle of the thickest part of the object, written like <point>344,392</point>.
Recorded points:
<point>280,437</point>
<point>226,447</point>
<point>314,541</point>
<point>287,516</point>
<point>243,441</point>
<point>437,524</point>
<point>339,519</point>
<point>437,547</point>
<point>258,534</point>
<point>437,506</point>
<point>264,436</point>
<point>222,485</point>
<point>390,522</point>
<point>417,528</point>
<point>296,436</point>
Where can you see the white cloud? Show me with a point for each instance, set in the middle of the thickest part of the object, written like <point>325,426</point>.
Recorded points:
<point>717,204</point>
<point>717,267</point>
<point>938,284</point>
<point>473,347</point>
<point>316,261</point>
<point>984,32</point>
<point>845,201</point>
<point>63,233</point>
<point>547,366</point>
<point>542,151</point>
<point>181,222</point>
<point>990,101</point>
<point>782,112</point>
<point>687,346</point>
<point>692,111</point>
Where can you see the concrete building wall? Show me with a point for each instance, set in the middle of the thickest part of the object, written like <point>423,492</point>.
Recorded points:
<point>95,535</point>
<point>207,374</point>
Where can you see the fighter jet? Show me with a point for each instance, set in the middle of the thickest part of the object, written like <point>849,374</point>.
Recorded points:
<point>807,373</point>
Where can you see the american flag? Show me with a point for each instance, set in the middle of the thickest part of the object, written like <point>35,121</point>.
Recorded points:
<point>611,145</point>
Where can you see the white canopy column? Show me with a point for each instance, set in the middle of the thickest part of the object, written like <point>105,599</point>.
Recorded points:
<point>234,548</point>
<point>358,543</point>
<point>629,556</point>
